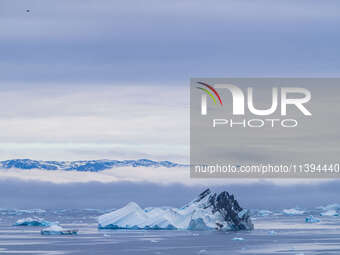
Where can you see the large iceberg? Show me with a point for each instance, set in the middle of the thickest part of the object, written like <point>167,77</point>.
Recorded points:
<point>208,211</point>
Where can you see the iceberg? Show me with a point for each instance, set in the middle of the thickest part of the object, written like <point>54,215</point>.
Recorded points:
<point>31,211</point>
<point>208,211</point>
<point>203,252</point>
<point>58,230</point>
<point>238,239</point>
<point>293,211</point>
<point>35,221</point>
<point>329,213</point>
<point>329,207</point>
<point>263,213</point>
<point>311,219</point>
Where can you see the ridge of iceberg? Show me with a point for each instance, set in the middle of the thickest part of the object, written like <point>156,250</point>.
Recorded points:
<point>208,211</point>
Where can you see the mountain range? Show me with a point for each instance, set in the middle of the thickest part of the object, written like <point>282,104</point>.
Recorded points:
<point>83,165</point>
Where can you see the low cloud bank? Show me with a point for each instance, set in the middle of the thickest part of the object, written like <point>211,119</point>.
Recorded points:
<point>22,194</point>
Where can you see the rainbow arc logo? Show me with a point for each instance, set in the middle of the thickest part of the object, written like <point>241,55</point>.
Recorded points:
<point>209,93</point>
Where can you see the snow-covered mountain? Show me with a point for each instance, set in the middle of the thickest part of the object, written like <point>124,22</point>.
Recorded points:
<point>83,165</point>
<point>208,211</point>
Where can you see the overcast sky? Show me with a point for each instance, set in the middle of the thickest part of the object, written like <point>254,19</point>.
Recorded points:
<point>87,80</point>
<point>81,80</point>
<point>95,122</point>
<point>163,41</point>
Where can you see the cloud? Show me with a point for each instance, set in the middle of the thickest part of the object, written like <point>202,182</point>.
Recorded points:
<point>156,175</point>
<point>116,122</point>
<point>35,194</point>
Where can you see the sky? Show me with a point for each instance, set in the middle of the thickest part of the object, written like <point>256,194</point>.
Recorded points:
<point>82,80</point>
<point>91,122</point>
<point>119,42</point>
<point>121,64</point>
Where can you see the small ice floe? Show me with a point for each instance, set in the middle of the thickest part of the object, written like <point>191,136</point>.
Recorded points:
<point>238,239</point>
<point>263,213</point>
<point>35,221</point>
<point>201,252</point>
<point>151,240</point>
<point>293,211</point>
<point>28,211</point>
<point>58,230</point>
<point>272,233</point>
<point>154,241</point>
<point>329,213</point>
<point>311,219</point>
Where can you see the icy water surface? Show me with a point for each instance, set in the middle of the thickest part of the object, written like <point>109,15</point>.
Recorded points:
<point>278,234</point>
